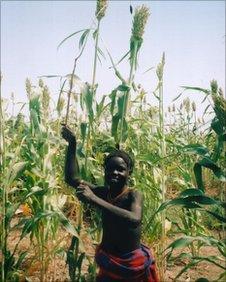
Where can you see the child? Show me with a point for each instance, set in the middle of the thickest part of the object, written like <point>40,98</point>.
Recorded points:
<point>120,255</point>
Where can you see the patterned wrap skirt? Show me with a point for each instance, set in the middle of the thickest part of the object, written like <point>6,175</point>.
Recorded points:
<point>136,266</point>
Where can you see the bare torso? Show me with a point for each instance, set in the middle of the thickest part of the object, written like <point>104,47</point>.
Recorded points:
<point>120,235</point>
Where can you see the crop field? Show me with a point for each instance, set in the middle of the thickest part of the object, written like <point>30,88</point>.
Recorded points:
<point>48,235</point>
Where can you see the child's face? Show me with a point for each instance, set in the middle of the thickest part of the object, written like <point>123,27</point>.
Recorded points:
<point>116,172</point>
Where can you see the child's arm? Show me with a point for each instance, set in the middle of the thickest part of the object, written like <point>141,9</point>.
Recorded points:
<point>133,215</point>
<point>71,169</point>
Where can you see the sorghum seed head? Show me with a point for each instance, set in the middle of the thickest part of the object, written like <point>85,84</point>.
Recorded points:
<point>101,9</point>
<point>160,67</point>
<point>214,86</point>
<point>60,105</point>
<point>139,21</point>
<point>220,92</point>
<point>187,105</point>
<point>45,98</point>
<point>193,106</point>
<point>41,83</point>
<point>174,109</point>
<point>28,86</point>
<point>220,108</point>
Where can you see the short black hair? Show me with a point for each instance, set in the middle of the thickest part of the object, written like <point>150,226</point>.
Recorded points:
<point>121,154</point>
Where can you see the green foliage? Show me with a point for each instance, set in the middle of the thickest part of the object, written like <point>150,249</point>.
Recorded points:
<point>166,151</point>
<point>193,200</point>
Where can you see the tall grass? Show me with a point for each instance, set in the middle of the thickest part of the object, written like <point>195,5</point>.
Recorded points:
<point>165,154</point>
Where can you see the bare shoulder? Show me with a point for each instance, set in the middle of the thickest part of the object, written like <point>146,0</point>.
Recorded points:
<point>136,195</point>
<point>100,191</point>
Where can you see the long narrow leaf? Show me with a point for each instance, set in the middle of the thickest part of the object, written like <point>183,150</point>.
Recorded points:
<point>69,36</point>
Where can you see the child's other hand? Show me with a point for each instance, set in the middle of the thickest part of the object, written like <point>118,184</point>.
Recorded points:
<point>84,193</point>
<point>67,134</point>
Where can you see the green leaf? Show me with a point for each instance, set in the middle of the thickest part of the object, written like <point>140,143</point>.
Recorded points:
<point>50,76</point>
<point>124,130</point>
<point>191,192</point>
<point>87,98</point>
<point>15,171</point>
<point>69,227</point>
<point>177,96</point>
<point>83,127</point>
<point>203,200</point>
<point>79,263</point>
<point>10,211</point>
<point>20,259</point>
<point>202,279</point>
<point>148,70</point>
<point>36,190</point>
<point>219,147</point>
<point>217,126</point>
<point>83,38</point>
<point>184,269</point>
<point>32,223</point>
<point>121,102</point>
<point>205,111</point>
<point>113,99</point>
<point>206,91</point>
<point>100,107</point>
<point>95,33</point>
<point>123,88</point>
<point>101,52</point>
<point>217,216</point>
<point>69,36</point>
<point>114,126</point>
<point>148,157</point>
<point>185,202</point>
<point>208,163</point>
<point>198,176</point>
<point>196,149</point>
<point>181,242</point>
<point>123,57</point>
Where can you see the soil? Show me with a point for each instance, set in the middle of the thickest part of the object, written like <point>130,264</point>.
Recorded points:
<point>57,270</point>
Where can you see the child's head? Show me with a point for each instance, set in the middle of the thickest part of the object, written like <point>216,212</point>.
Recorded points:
<point>121,154</point>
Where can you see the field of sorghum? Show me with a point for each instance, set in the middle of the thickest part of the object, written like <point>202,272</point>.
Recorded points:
<point>178,167</point>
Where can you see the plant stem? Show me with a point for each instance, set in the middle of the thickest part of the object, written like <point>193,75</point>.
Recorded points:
<point>162,183</point>
<point>127,93</point>
<point>5,195</point>
<point>95,56</point>
<point>71,82</point>
<point>92,89</point>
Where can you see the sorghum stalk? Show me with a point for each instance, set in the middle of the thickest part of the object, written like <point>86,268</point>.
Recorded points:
<point>95,56</point>
<point>5,196</point>
<point>100,13</point>
<point>139,21</point>
<point>194,111</point>
<point>159,72</point>
<point>72,83</point>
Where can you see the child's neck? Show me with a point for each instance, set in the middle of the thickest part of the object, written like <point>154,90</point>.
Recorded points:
<point>113,197</point>
<point>114,192</point>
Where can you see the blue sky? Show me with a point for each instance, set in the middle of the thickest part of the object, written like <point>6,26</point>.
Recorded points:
<point>191,33</point>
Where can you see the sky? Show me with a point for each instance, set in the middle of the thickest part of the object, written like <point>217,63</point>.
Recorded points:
<point>191,33</point>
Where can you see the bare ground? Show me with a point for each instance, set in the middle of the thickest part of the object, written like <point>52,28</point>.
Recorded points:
<point>57,270</point>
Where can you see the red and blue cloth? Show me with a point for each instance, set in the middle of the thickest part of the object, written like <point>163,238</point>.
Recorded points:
<point>136,266</point>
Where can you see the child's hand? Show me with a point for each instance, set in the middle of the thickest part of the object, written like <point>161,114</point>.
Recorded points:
<point>84,193</point>
<point>68,135</point>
